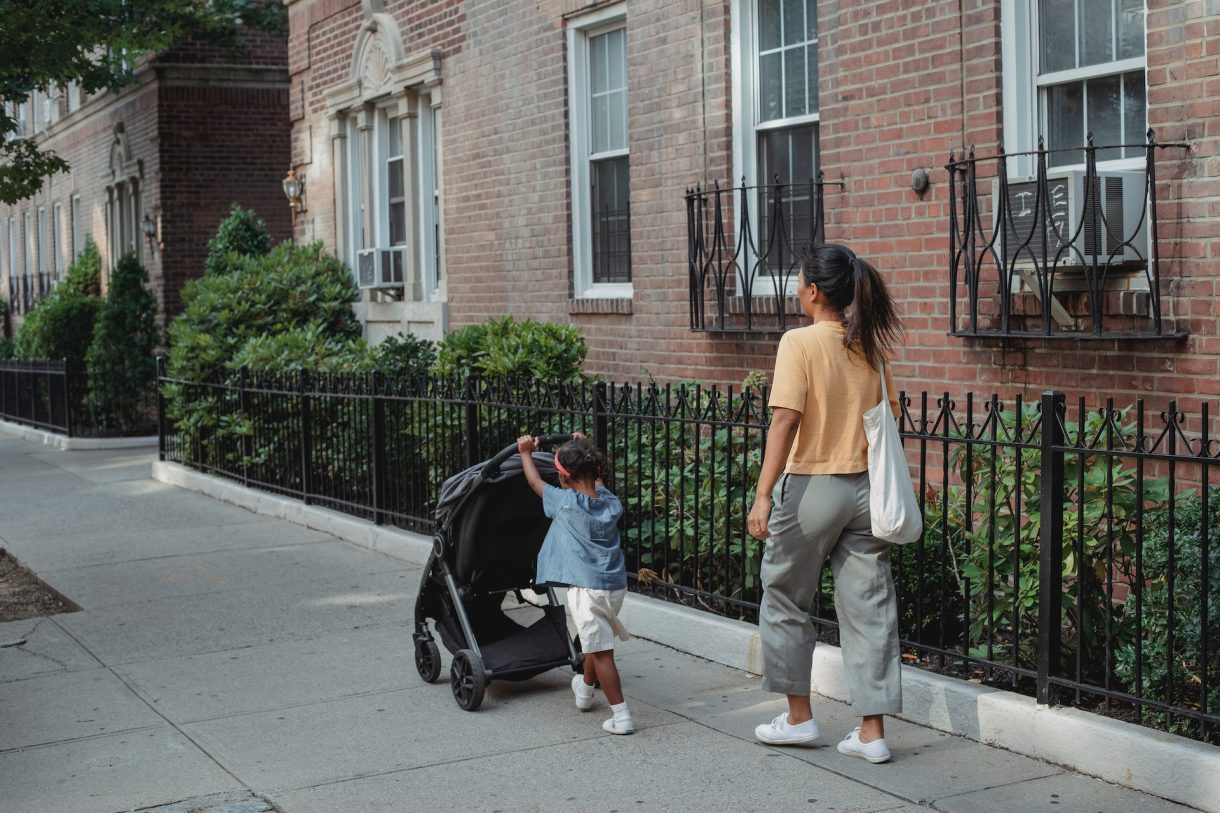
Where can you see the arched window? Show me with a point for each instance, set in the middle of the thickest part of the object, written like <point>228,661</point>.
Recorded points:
<point>123,210</point>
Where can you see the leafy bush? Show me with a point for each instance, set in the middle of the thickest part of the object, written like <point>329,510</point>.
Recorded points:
<point>309,347</point>
<point>289,288</point>
<point>242,234</point>
<point>508,349</point>
<point>84,275</point>
<point>297,290</point>
<point>120,360</point>
<point>6,348</point>
<point>404,357</point>
<point>1184,667</point>
<point>59,327</point>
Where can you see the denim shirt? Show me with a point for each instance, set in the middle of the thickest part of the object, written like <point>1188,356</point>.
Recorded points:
<point>582,547</point>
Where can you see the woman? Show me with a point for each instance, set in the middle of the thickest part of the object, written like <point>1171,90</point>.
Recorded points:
<point>826,376</point>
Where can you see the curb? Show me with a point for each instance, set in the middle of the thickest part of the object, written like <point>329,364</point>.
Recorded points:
<point>67,444</point>
<point>1154,762</point>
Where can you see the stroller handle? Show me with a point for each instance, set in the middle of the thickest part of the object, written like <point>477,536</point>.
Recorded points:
<point>494,464</point>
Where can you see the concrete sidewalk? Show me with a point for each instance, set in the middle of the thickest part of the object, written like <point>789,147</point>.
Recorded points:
<point>226,661</point>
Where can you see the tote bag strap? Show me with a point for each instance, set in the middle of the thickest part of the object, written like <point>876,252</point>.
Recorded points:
<point>885,396</point>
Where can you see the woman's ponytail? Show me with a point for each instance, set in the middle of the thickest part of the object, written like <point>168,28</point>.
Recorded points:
<point>872,322</point>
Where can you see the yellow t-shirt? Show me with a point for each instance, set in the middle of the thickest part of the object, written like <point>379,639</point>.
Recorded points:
<point>832,387</point>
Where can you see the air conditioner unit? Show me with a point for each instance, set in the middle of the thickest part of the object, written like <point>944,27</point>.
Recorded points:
<point>1114,227</point>
<point>381,267</point>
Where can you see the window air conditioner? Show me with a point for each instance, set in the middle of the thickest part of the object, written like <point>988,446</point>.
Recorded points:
<point>1116,209</point>
<point>381,267</point>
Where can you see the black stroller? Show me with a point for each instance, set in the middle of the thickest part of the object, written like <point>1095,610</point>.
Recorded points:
<point>490,527</point>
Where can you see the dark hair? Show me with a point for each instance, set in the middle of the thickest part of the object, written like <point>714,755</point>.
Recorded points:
<point>582,459</point>
<point>854,287</point>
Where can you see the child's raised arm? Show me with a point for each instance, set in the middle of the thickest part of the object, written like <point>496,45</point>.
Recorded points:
<point>526,446</point>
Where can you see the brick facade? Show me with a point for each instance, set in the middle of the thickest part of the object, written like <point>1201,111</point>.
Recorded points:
<point>203,131</point>
<point>901,84</point>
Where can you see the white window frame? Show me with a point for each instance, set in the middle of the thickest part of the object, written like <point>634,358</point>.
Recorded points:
<point>40,243</point>
<point>431,231</point>
<point>12,249</point>
<point>27,227</point>
<point>579,31</point>
<point>77,229</point>
<point>57,245</point>
<point>1025,115</point>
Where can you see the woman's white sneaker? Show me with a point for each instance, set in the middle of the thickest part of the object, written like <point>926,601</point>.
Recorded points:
<point>874,751</point>
<point>779,732</point>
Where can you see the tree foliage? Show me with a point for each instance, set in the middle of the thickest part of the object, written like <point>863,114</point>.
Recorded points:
<point>95,44</point>
<point>120,361</point>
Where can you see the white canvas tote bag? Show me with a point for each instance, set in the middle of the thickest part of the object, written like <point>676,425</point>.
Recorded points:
<point>892,503</point>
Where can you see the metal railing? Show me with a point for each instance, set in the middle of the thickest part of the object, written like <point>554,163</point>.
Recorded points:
<point>54,396</point>
<point>38,394</point>
<point>1078,564</point>
<point>744,248</point>
<point>1045,244</point>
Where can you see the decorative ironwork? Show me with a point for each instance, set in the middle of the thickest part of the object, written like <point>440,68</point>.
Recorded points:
<point>743,253</point>
<point>1043,246</point>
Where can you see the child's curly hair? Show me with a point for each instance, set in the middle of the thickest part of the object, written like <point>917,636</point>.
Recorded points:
<point>582,459</point>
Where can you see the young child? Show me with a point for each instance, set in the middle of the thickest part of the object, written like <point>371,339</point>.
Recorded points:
<point>582,552</point>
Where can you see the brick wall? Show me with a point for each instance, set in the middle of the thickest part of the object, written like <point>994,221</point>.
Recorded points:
<point>902,85</point>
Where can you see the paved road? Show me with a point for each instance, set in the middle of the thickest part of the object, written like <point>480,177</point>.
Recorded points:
<point>226,661</point>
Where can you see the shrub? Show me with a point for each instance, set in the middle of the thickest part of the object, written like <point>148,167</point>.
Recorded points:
<point>59,327</point>
<point>404,357</point>
<point>120,360</point>
<point>505,349</point>
<point>241,234</point>
<point>235,318</point>
<point>6,348</point>
<point>302,348</point>
<point>84,275</point>
<point>1184,666</point>
<point>289,288</point>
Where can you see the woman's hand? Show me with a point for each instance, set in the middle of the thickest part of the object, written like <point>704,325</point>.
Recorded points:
<point>527,444</point>
<point>756,523</point>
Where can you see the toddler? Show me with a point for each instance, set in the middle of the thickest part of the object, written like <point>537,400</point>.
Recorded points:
<point>582,552</point>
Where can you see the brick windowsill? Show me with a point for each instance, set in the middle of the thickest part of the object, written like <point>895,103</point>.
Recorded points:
<point>608,305</point>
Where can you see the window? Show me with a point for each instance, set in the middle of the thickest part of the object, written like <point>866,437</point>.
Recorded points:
<point>393,196</point>
<point>78,243</point>
<point>1072,67</point>
<point>40,249</point>
<point>775,51</point>
<point>74,97</point>
<point>57,245</point>
<point>123,219</point>
<point>601,218</point>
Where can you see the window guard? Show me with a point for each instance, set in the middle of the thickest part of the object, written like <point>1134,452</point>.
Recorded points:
<point>1056,256</point>
<point>740,279</point>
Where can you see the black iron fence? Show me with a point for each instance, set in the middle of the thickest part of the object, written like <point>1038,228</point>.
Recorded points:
<point>1046,244</point>
<point>1074,558</point>
<point>54,396</point>
<point>744,247</point>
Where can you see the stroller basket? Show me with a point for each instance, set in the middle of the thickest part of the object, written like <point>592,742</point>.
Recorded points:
<point>490,527</point>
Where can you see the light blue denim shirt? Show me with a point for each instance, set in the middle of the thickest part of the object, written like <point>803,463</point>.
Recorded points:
<point>582,547</point>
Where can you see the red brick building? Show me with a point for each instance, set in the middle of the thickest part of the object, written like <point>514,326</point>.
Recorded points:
<point>154,168</point>
<point>533,158</point>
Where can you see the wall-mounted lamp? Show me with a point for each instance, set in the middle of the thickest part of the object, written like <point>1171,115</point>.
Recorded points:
<point>294,190</point>
<point>148,227</point>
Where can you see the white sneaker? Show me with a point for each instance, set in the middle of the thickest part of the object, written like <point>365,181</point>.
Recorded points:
<point>619,725</point>
<point>874,751</point>
<point>778,732</point>
<point>583,693</point>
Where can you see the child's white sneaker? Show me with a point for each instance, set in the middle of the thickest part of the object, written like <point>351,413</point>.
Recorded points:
<point>779,732</point>
<point>874,751</point>
<point>621,722</point>
<point>583,692</point>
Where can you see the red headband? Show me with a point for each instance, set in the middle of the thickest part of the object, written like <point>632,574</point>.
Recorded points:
<point>560,467</point>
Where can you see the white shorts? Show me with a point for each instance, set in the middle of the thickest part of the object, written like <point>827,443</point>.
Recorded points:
<point>595,614</point>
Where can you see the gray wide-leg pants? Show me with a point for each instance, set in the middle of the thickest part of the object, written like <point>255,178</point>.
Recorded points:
<point>812,517</point>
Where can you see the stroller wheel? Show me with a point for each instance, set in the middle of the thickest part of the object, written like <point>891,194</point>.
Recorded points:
<point>428,660</point>
<point>468,679</point>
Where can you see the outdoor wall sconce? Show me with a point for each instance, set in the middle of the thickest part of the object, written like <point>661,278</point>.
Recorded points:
<point>148,227</point>
<point>294,190</point>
